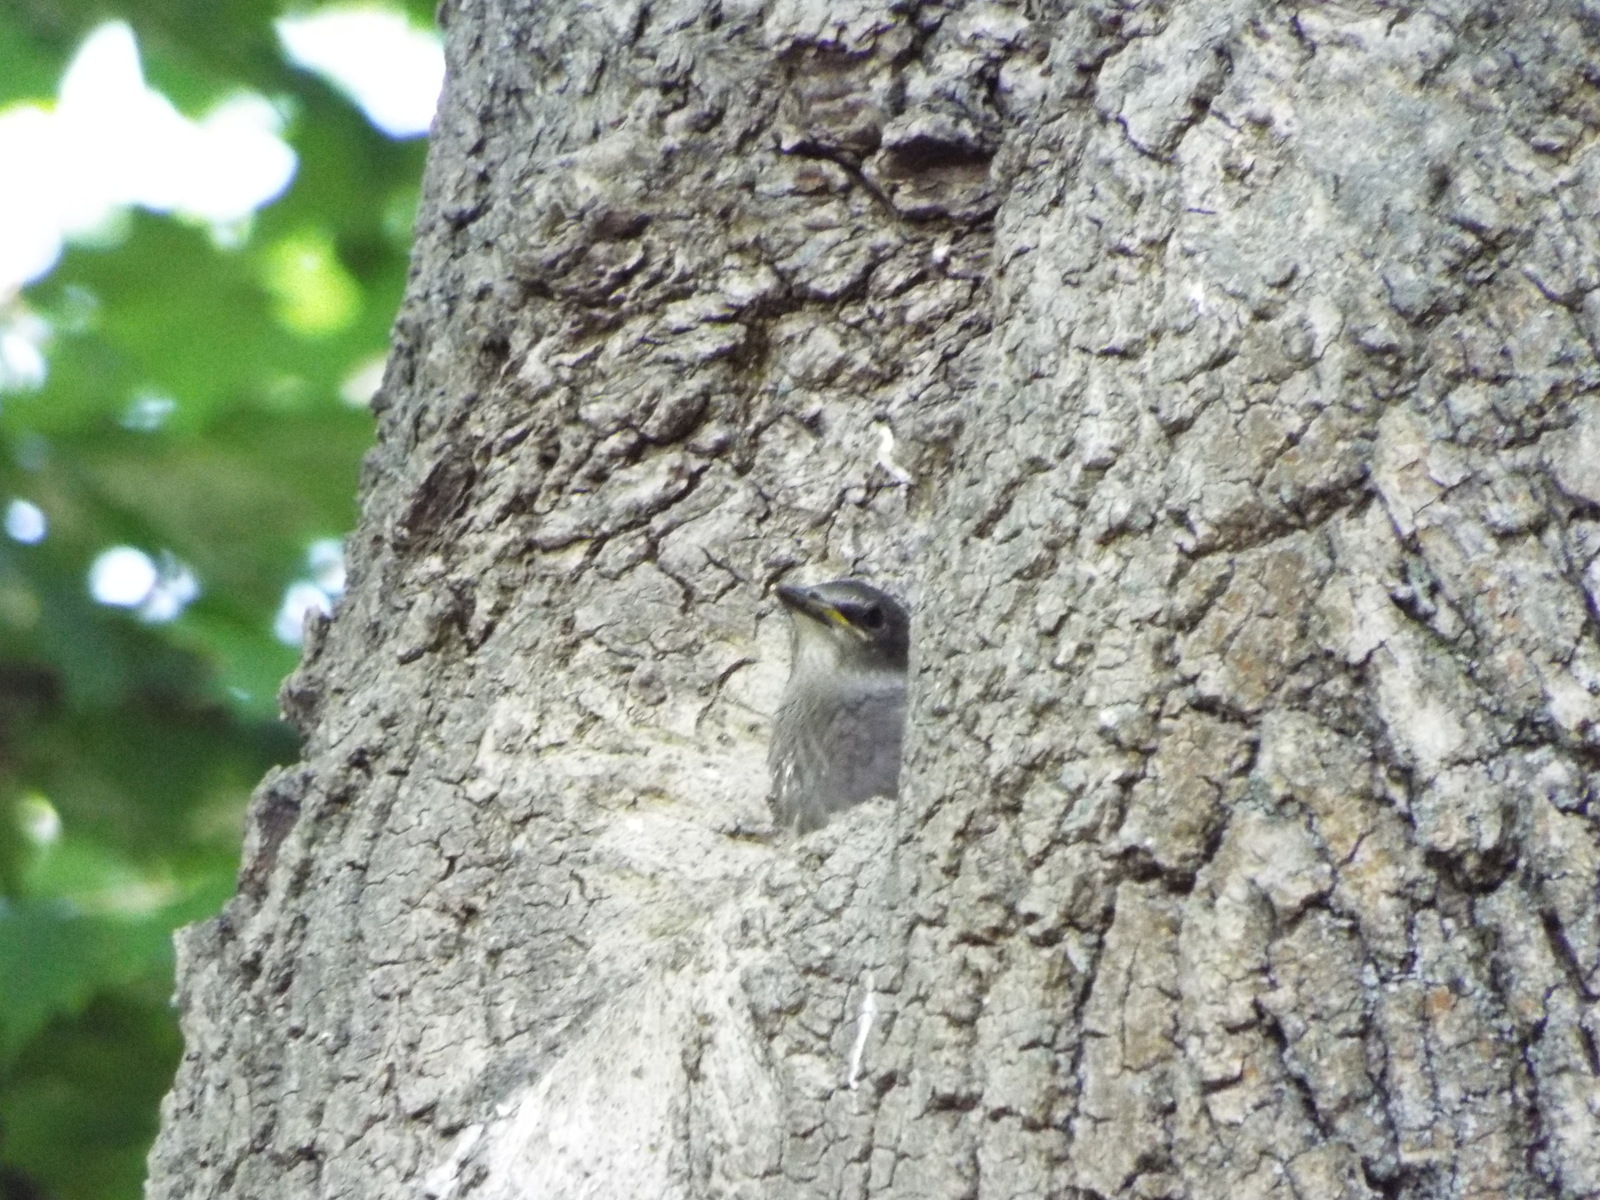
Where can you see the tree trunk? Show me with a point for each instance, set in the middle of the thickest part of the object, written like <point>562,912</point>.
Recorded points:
<point>1217,383</point>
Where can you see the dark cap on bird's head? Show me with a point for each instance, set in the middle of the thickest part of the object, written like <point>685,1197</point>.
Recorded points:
<point>867,628</point>
<point>837,734</point>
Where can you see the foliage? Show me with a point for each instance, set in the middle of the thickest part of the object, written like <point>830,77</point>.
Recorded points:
<point>143,739</point>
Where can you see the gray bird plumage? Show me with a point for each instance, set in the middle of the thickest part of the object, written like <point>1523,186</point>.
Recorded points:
<point>837,734</point>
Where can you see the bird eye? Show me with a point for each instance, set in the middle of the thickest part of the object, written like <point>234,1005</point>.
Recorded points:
<point>873,618</point>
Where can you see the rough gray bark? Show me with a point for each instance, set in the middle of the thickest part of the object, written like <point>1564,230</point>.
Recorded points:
<point>1217,378</point>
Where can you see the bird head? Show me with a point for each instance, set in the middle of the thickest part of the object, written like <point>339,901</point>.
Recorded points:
<point>848,624</point>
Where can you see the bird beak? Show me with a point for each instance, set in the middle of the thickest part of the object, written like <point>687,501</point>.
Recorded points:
<point>803,600</point>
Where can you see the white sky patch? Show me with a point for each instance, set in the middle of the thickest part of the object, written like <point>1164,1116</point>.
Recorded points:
<point>23,366</point>
<point>125,577</point>
<point>111,142</point>
<point>26,522</point>
<point>299,600</point>
<point>392,70</point>
<point>38,819</point>
<point>325,565</point>
<point>148,412</point>
<point>176,588</point>
<point>326,560</point>
<point>30,228</point>
<point>122,577</point>
<point>362,384</point>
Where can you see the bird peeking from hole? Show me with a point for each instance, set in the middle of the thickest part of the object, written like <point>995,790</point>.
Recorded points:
<point>837,735</point>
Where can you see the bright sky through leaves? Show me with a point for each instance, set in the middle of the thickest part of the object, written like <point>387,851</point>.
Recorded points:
<point>125,577</point>
<point>22,339</point>
<point>26,522</point>
<point>122,576</point>
<point>391,69</point>
<point>319,593</point>
<point>110,142</point>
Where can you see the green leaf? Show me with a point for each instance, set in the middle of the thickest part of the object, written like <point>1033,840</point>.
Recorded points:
<point>54,961</point>
<point>79,1108</point>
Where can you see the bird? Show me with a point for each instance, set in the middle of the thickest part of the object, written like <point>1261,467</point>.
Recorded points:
<point>837,734</point>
